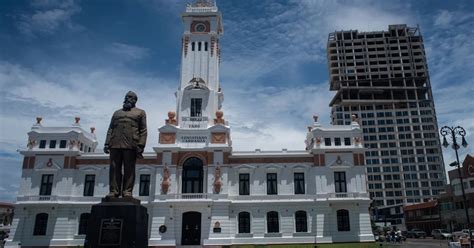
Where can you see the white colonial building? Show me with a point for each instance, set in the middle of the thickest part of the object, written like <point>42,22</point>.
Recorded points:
<point>197,190</point>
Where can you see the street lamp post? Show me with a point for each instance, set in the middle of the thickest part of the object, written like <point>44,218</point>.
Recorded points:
<point>453,132</point>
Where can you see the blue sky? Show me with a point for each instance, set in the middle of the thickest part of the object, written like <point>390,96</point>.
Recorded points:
<point>60,59</point>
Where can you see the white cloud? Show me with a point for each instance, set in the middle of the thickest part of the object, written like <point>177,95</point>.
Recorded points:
<point>274,117</point>
<point>93,96</point>
<point>48,17</point>
<point>444,18</point>
<point>127,51</point>
<point>293,34</point>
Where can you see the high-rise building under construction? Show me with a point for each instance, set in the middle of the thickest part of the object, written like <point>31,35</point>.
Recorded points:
<point>382,78</point>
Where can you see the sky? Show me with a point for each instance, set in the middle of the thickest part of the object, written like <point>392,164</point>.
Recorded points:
<point>61,59</point>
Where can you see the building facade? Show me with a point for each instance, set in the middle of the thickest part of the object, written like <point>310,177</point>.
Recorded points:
<point>424,216</point>
<point>197,190</point>
<point>451,202</point>
<point>382,77</point>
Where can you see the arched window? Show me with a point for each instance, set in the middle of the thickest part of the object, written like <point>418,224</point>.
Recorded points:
<point>83,223</point>
<point>192,46</point>
<point>272,222</point>
<point>244,222</point>
<point>343,223</point>
<point>192,176</point>
<point>301,221</point>
<point>41,224</point>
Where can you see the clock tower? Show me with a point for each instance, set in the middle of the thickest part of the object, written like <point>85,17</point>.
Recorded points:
<point>198,120</point>
<point>199,93</point>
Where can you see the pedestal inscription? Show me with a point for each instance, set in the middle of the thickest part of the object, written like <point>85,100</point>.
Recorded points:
<point>110,231</point>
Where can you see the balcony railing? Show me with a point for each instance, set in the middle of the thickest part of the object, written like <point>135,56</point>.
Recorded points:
<point>202,196</point>
<point>191,196</point>
<point>195,118</point>
<point>346,195</point>
<point>44,198</point>
<point>187,196</point>
<point>201,9</point>
<point>55,198</point>
<point>271,197</point>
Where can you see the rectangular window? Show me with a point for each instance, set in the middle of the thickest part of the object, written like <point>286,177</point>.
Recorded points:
<point>42,144</point>
<point>327,141</point>
<point>272,188</point>
<point>340,181</point>
<point>52,144</point>
<point>205,46</point>
<point>89,183</point>
<point>347,141</point>
<point>299,183</point>
<point>244,184</point>
<point>192,46</point>
<point>46,184</point>
<point>199,46</point>
<point>337,141</point>
<point>144,189</point>
<point>196,107</point>
<point>62,144</point>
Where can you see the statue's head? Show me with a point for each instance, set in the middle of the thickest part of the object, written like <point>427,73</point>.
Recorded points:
<point>130,100</point>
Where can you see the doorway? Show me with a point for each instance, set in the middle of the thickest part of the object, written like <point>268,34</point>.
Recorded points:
<point>191,229</point>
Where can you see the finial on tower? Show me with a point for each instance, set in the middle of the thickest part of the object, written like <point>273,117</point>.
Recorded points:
<point>219,119</point>
<point>171,118</point>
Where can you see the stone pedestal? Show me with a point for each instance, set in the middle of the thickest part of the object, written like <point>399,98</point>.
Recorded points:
<point>117,223</point>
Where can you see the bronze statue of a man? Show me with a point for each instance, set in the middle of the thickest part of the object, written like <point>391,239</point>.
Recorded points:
<point>125,142</point>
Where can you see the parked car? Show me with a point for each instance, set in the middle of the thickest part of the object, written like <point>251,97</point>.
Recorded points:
<point>463,233</point>
<point>440,234</point>
<point>416,233</point>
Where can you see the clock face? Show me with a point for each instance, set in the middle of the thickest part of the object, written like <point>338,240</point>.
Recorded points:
<point>200,27</point>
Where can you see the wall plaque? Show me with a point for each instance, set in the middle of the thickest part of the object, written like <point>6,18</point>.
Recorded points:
<point>110,232</point>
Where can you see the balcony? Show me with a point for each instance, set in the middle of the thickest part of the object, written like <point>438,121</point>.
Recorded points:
<point>40,198</point>
<point>196,197</point>
<point>191,197</point>
<point>195,118</point>
<point>257,198</point>
<point>205,9</point>
<point>56,199</point>
<point>345,195</point>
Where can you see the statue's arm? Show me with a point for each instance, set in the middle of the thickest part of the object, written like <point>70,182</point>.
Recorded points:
<point>142,130</point>
<point>109,132</point>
